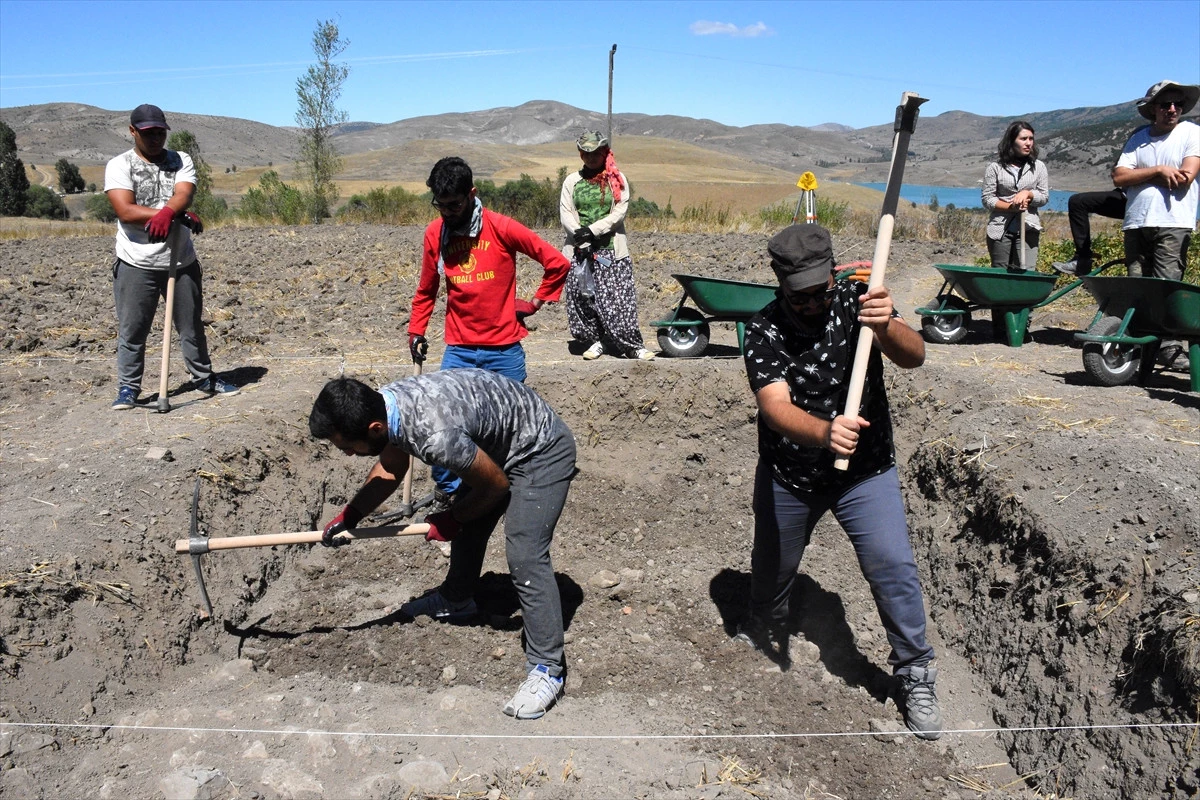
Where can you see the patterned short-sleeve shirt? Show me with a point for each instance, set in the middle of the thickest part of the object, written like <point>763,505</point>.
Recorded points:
<point>443,416</point>
<point>816,367</point>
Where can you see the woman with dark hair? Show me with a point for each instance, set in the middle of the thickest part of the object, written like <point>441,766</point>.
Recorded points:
<point>1014,187</point>
<point>601,300</point>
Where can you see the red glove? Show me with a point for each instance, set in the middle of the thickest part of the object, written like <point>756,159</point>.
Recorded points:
<point>159,226</point>
<point>346,520</point>
<point>524,308</point>
<point>192,221</point>
<point>443,527</point>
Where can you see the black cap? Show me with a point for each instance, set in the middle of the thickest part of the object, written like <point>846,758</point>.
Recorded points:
<point>801,255</point>
<point>147,116</point>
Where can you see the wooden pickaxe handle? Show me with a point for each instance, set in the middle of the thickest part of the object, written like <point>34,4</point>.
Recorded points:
<point>196,546</point>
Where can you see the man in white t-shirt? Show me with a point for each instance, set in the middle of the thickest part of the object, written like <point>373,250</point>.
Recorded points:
<point>150,188</point>
<point>1157,169</point>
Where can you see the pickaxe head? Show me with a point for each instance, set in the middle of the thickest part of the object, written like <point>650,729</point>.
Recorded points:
<point>198,546</point>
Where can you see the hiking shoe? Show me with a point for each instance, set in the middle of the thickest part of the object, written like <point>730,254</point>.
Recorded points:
<point>212,385</point>
<point>1174,356</point>
<point>539,691</point>
<point>1068,267</point>
<point>442,501</point>
<point>126,398</point>
<point>433,604</point>
<point>918,701</point>
<point>642,354</point>
<point>593,352</point>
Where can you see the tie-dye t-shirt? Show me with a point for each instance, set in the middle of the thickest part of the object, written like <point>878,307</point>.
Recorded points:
<point>443,416</point>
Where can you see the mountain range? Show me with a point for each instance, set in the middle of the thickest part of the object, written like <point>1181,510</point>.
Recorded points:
<point>1079,145</point>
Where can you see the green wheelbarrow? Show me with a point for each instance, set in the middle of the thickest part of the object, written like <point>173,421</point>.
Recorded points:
<point>1135,315</point>
<point>1011,296</point>
<point>685,333</point>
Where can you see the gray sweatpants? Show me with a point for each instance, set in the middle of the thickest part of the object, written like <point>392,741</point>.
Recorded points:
<point>537,492</point>
<point>872,514</point>
<point>136,293</point>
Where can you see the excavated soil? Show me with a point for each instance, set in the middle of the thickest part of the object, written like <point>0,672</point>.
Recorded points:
<point>1055,523</point>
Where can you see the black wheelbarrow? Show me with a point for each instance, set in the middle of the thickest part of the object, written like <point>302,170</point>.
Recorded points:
<point>1135,315</point>
<point>1011,296</point>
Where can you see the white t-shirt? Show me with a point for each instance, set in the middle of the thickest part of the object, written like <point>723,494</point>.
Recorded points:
<point>152,186</point>
<point>1149,205</point>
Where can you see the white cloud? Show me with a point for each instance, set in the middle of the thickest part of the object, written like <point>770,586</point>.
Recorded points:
<point>707,28</point>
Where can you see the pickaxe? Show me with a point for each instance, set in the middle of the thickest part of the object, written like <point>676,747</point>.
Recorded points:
<point>196,545</point>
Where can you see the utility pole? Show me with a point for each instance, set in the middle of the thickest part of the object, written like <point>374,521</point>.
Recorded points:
<point>611,53</point>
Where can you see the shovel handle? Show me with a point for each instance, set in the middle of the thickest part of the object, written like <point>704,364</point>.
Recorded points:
<point>301,537</point>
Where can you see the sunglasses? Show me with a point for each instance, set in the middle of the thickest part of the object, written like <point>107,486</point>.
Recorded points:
<point>453,206</point>
<point>809,298</point>
<point>1165,104</point>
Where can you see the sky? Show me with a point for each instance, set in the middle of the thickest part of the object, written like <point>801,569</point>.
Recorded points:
<point>739,63</point>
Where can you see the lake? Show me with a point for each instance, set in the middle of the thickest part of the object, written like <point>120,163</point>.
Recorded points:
<point>961,198</point>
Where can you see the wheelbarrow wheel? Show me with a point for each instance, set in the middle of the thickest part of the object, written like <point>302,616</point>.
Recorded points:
<point>946,328</point>
<point>684,341</point>
<point>1108,363</point>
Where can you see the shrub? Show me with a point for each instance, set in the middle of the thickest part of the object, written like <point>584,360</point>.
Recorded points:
<point>641,207</point>
<point>273,201</point>
<point>533,203</point>
<point>396,205</point>
<point>98,208</point>
<point>707,214</point>
<point>43,203</point>
<point>959,225</point>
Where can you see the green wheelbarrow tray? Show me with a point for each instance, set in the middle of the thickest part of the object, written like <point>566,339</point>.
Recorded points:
<point>1135,315</point>
<point>1010,295</point>
<point>685,333</point>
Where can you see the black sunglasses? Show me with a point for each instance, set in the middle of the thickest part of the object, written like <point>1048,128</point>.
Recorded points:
<point>810,298</point>
<point>1165,104</point>
<point>451,206</point>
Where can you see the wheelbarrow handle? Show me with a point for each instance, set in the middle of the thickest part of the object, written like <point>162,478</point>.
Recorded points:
<point>196,546</point>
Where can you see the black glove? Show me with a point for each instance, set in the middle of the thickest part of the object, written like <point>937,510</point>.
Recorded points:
<point>583,237</point>
<point>192,221</point>
<point>346,520</point>
<point>418,347</point>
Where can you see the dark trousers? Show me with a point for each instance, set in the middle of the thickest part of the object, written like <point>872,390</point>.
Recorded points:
<point>537,492</point>
<point>872,514</point>
<point>136,293</point>
<point>1107,204</point>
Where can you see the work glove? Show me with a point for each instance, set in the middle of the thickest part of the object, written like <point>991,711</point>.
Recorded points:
<point>524,309</point>
<point>159,226</point>
<point>418,346</point>
<point>346,520</point>
<point>583,237</point>
<point>193,222</point>
<point>443,527</point>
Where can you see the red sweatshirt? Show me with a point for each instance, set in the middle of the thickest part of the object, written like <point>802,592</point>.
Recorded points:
<point>481,281</point>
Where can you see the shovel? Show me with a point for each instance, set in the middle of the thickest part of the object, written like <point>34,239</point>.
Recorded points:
<point>906,123</point>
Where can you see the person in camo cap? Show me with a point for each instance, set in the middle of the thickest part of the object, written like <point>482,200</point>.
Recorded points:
<point>516,458</point>
<point>799,351</point>
<point>601,298</point>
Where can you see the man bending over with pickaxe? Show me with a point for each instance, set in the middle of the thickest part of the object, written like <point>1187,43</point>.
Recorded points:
<point>515,456</point>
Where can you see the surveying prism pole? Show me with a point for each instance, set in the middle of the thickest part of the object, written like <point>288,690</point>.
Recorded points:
<point>808,187</point>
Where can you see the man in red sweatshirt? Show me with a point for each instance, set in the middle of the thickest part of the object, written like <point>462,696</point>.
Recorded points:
<point>475,250</point>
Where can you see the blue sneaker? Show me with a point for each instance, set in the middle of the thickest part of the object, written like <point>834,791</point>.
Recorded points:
<point>126,399</point>
<point>213,385</point>
<point>536,695</point>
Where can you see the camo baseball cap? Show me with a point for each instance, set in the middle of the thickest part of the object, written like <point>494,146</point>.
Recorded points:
<point>591,141</point>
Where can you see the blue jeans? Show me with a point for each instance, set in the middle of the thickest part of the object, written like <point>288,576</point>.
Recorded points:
<point>872,514</point>
<point>507,360</point>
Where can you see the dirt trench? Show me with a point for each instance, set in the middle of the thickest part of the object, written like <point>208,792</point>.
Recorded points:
<point>1054,524</point>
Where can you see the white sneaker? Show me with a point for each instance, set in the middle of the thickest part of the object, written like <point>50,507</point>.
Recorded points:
<point>642,354</point>
<point>593,352</point>
<point>537,694</point>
